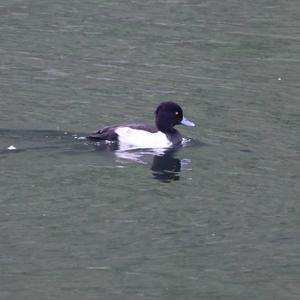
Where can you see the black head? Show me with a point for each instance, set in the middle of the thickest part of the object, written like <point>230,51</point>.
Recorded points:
<point>169,114</point>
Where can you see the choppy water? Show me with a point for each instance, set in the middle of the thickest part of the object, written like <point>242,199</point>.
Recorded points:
<point>215,219</point>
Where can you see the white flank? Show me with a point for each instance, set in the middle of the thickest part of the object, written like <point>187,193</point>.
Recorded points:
<point>142,139</point>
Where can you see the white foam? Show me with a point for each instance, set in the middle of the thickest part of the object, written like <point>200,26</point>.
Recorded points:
<point>185,141</point>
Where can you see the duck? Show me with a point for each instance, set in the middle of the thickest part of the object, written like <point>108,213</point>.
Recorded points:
<point>162,135</point>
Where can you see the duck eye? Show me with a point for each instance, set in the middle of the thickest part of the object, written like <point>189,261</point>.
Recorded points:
<point>176,113</point>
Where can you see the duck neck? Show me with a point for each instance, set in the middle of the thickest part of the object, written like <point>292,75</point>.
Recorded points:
<point>165,127</point>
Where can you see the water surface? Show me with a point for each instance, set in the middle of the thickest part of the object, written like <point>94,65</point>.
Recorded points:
<point>216,219</point>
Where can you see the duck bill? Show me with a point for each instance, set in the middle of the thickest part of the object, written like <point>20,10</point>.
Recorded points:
<point>187,122</point>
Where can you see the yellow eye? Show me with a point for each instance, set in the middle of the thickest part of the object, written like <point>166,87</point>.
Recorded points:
<point>177,113</point>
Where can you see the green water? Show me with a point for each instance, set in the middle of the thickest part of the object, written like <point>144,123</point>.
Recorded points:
<point>216,219</point>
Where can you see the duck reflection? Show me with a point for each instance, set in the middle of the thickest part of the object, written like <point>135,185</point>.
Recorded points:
<point>166,167</point>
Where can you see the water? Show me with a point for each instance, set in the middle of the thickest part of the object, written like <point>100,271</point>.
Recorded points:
<point>216,219</point>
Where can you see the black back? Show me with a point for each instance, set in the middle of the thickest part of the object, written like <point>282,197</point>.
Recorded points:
<point>108,133</point>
